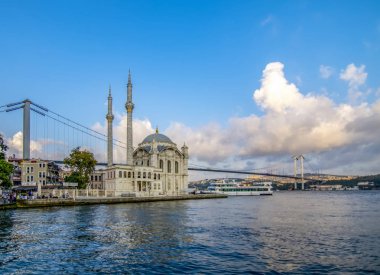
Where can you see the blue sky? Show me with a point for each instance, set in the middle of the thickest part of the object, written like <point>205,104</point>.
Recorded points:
<point>193,62</point>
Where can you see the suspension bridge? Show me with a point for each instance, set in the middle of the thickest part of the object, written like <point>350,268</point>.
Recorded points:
<point>49,135</point>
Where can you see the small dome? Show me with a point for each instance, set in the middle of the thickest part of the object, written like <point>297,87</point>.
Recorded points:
<point>157,137</point>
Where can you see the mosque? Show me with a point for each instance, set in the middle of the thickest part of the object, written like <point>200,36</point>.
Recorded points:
<point>155,168</point>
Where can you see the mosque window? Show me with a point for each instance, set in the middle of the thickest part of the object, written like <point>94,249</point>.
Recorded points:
<point>161,164</point>
<point>129,174</point>
<point>154,176</point>
<point>149,175</point>
<point>144,175</point>
<point>139,174</point>
<point>120,174</point>
<point>159,176</point>
<point>147,163</point>
<point>176,167</point>
<point>169,166</point>
<point>125,174</point>
<point>133,174</point>
<point>114,174</point>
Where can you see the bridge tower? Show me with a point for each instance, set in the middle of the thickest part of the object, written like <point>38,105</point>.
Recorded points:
<point>301,157</point>
<point>295,171</point>
<point>26,130</point>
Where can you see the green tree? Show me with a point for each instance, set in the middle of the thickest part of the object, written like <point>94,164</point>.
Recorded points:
<point>82,163</point>
<point>74,177</point>
<point>6,168</point>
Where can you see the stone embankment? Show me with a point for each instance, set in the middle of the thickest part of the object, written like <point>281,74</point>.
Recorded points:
<point>108,200</point>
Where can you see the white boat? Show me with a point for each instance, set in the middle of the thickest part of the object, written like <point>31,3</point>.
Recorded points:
<point>234,188</point>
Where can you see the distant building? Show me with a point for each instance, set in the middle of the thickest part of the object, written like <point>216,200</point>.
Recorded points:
<point>39,171</point>
<point>336,187</point>
<point>16,174</point>
<point>97,179</point>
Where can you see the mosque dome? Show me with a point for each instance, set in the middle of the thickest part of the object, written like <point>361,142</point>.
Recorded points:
<point>157,137</point>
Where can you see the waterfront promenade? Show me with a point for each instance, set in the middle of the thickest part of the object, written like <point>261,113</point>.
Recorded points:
<point>103,200</point>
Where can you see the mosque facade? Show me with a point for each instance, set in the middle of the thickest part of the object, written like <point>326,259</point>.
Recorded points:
<point>157,167</point>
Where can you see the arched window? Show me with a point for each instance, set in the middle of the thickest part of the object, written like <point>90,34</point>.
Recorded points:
<point>133,174</point>
<point>120,174</point>
<point>161,164</point>
<point>176,167</point>
<point>125,174</point>
<point>154,176</point>
<point>129,174</point>
<point>139,174</point>
<point>147,163</point>
<point>159,176</point>
<point>144,175</point>
<point>169,166</point>
<point>149,175</point>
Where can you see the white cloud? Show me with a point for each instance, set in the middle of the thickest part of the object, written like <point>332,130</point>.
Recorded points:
<point>355,76</point>
<point>377,93</point>
<point>326,71</point>
<point>15,145</point>
<point>292,123</point>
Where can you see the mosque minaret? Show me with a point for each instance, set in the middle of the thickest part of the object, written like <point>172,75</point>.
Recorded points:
<point>129,106</point>
<point>109,118</point>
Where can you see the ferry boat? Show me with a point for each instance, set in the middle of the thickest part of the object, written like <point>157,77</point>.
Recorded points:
<point>234,188</point>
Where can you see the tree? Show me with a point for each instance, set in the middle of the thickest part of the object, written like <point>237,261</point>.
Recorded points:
<point>82,163</point>
<point>6,168</point>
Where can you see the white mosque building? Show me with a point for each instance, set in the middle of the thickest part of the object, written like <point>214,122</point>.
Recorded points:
<point>155,168</point>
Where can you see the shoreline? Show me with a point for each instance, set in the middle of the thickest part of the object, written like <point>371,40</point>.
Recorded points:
<point>37,203</point>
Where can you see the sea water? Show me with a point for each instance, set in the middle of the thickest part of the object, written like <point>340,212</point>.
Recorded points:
<point>289,232</point>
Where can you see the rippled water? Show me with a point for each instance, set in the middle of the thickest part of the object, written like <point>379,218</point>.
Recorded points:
<point>290,232</point>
